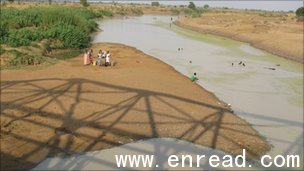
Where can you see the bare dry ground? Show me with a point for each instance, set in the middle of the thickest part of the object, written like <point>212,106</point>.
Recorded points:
<point>68,108</point>
<point>277,33</point>
<point>117,9</point>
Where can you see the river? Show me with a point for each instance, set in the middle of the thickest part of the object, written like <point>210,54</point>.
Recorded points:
<point>267,91</point>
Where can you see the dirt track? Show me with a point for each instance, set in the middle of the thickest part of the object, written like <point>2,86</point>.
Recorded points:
<point>68,108</point>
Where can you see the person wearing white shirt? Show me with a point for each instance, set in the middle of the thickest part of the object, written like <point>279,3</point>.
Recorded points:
<point>104,53</point>
<point>99,60</point>
<point>108,62</point>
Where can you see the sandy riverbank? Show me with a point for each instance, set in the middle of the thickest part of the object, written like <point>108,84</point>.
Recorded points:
<point>68,108</point>
<point>277,33</point>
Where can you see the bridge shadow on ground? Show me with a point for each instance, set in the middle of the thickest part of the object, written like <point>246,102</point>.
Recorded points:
<point>49,117</point>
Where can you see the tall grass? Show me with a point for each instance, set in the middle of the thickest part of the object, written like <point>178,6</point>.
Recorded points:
<point>52,27</point>
<point>68,27</point>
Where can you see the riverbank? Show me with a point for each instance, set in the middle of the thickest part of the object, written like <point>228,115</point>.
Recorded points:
<point>26,42</point>
<point>277,33</point>
<point>68,108</point>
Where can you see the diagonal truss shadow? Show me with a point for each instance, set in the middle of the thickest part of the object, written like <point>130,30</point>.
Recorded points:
<point>47,117</point>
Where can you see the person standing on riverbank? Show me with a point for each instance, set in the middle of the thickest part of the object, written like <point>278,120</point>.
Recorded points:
<point>99,58</point>
<point>90,54</point>
<point>193,78</point>
<point>86,58</point>
<point>108,62</point>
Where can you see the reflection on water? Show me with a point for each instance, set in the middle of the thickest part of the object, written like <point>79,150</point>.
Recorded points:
<point>267,91</point>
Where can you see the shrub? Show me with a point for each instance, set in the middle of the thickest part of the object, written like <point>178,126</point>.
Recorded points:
<point>155,4</point>
<point>193,13</point>
<point>52,32</point>
<point>192,6</point>
<point>21,37</point>
<point>300,11</point>
<point>4,32</point>
<point>73,37</point>
<point>69,37</point>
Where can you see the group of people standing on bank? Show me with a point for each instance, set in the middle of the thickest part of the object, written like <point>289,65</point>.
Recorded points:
<point>103,58</point>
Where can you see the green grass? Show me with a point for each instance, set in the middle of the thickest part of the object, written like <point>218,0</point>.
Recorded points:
<point>53,27</point>
<point>70,26</point>
<point>50,28</point>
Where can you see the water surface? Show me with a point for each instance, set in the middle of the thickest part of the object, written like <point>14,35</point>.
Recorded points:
<point>267,91</point>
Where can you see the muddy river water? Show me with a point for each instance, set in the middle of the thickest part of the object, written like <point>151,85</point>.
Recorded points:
<point>267,91</point>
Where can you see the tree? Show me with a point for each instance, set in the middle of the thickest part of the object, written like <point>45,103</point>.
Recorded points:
<point>84,3</point>
<point>50,2</point>
<point>206,6</point>
<point>11,1</point>
<point>192,6</point>
<point>155,4</point>
<point>300,11</point>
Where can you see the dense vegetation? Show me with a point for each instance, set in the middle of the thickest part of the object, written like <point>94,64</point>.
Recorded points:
<point>31,33</point>
<point>62,27</point>
<point>155,4</point>
<point>300,12</point>
<point>194,11</point>
<point>192,6</point>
